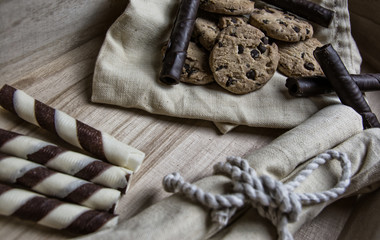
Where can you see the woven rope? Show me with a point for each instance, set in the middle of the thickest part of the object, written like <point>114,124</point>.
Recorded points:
<point>273,199</point>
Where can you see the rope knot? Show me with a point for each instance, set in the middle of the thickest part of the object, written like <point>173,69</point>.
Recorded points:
<point>273,199</point>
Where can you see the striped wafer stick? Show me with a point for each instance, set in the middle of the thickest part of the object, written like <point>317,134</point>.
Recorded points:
<point>51,183</point>
<point>75,132</point>
<point>72,163</point>
<point>52,213</point>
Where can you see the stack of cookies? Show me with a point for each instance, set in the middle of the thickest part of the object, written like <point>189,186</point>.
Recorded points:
<point>240,46</point>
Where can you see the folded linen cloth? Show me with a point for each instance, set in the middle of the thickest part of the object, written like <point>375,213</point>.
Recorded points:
<point>129,62</point>
<point>336,127</point>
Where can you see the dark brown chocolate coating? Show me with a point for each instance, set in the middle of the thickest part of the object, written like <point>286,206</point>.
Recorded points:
<point>82,193</point>
<point>34,176</point>
<point>175,54</point>
<point>343,84</point>
<point>92,170</point>
<point>36,208</point>
<point>45,154</point>
<point>312,86</point>
<point>90,139</point>
<point>89,221</point>
<point>6,136</point>
<point>305,9</point>
<point>45,116</point>
<point>6,98</point>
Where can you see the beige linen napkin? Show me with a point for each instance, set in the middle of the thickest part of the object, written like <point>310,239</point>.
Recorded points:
<point>335,127</point>
<point>127,68</point>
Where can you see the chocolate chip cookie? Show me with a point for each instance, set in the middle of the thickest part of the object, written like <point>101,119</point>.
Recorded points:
<point>297,59</point>
<point>206,32</point>
<point>228,7</point>
<point>243,60</point>
<point>196,69</point>
<point>280,25</point>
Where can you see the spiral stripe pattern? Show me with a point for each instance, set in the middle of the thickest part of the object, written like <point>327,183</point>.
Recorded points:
<point>75,132</point>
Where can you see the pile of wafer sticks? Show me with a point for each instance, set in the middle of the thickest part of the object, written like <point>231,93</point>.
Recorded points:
<point>55,187</point>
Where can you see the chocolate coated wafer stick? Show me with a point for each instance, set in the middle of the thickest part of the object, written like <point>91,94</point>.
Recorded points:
<point>57,158</point>
<point>51,183</point>
<point>52,213</point>
<point>311,86</point>
<point>305,9</point>
<point>175,54</point>
<point>73,131</point>
<point>343,84</point>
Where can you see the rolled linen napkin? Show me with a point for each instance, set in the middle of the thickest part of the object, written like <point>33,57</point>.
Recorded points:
<point>73,131</point>
<point>57,158</point>
<point>51,212</point>
<point>178,218</point>
<point>50,183</point>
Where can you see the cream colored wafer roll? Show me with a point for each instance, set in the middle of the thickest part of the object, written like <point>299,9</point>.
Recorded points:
<point>51,183</point>
<point>75,132</point>
<point>53,213</point>
<point>57,158</point>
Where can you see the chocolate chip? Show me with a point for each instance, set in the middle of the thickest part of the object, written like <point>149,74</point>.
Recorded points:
<point>221,67</point>
<point>296,29</point>
<point>233,34</point>
<point>190,70</point>
<point>240,49</point>
<point>220,44</point>
<point>231,10</point>
<point>261,48</point>
<point>283,23</point>
<point>307,31</point>
<point>187,67</point>
<point>265,21</point>
<point>234,19</point>
<point>309,66</point>
<point>265,40</point>
<point>302,55</point>
<point>230,81</point>
<point>255,54</point>
<point>251,74</point>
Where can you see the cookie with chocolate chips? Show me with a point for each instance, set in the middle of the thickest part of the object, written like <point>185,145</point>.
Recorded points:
<point>196,69</point>
<point>243,60</point>
<point>280,25</point>
<point>206,31</point>
<point>297,59</point>
<point>228,7</point>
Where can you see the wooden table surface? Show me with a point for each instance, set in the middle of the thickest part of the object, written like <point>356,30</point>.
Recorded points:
<point>48,49</point>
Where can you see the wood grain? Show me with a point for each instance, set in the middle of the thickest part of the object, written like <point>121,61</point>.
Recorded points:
<point>48,49</point>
